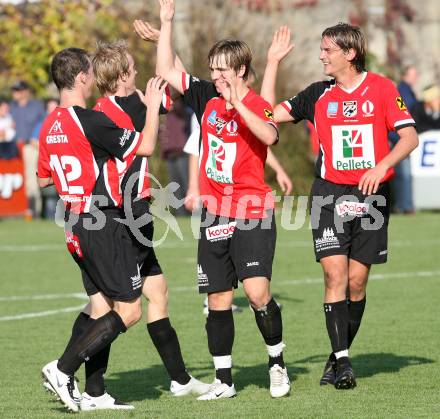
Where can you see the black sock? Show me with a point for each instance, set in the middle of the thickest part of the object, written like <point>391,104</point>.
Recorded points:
<point>355,313</point>
<point>95,368</point>
<point>101,333</point>
<point>336,318</point>
<point>270,323</point>
<point>220,330</point>
<point>79,326</point>
<point>165,340</point>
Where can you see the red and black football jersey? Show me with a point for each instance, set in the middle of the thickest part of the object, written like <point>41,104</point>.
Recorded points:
<point>231,157</point>
<point>75,143</point>
<point>128,112</point>
<point>352,126</point>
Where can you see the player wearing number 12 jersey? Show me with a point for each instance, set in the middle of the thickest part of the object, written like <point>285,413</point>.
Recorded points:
<point>352,114</point>
<point>74,145</point>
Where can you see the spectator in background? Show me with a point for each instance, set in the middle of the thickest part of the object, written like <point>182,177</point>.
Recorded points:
<point>401,184</point>
<point>47,198</point>
<point>27,112</point>
<point>426,113</point>
<point>173,135</point>
<point>8,148</point>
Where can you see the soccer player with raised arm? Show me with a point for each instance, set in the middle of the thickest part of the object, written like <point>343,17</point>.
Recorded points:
<point>75,143</point>
<point>237,127</point>
<point>350,200</point>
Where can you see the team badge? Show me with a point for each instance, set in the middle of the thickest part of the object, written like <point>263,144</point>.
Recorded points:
<point>401,104</point>
<point>349,108</point>
<point>268,113</point>
<point>219,125</point>
<point>332,109</point>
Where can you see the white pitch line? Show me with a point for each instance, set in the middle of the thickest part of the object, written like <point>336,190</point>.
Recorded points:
<point>79,295</point>
<point>373,277</point>
<point>41,313</point>
<point>192,244</point>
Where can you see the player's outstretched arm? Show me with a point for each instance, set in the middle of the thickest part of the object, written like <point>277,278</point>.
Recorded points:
<point>165,63</point>
<point>150,34</point>
<point>371,179</point>
<point>282,177</point>
<point>278,50</point>
<point>152,100</point>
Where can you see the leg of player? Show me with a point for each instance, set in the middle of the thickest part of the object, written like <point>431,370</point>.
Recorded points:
<point>165,339</point>
<point>220,331</point>
<point>269,322</point>
<point>336,315</point>
<point>101,333</point>
<point>357,285</point>
<point>95,396</point>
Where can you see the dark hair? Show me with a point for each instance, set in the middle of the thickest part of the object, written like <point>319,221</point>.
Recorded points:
<point>346,36</point>
<point>237,53</point>
<point>67,64</point>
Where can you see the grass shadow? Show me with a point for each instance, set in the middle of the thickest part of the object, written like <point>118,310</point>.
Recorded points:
<point>368,365</point>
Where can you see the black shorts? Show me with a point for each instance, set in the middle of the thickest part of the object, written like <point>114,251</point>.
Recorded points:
<point>346,222</point>
<point>107,256</point>
<point>227,252</point>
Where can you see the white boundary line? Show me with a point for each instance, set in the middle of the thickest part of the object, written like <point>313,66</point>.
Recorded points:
<point>373,277</point>
<point>193,243</point>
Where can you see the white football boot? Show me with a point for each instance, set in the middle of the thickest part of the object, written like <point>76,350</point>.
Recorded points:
<point>62,384</point>
<point>106,401</point>
<point>218,390</point>
<point>193,386</point>
<point>279,381</point>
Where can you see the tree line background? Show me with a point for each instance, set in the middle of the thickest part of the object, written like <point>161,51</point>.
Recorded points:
<point>31,33</point>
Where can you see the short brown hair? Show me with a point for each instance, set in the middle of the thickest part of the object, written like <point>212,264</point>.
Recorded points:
<point>237,53</point>
<point>346,36</point>
<point>110,62</point>
<point>67,64</point>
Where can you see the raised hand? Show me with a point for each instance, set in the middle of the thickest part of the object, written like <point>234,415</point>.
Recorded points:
<point>281,45</point>
<point>146,31</point>
<point>230,91</point>
<point>166,10</point>
<point>153,92</point>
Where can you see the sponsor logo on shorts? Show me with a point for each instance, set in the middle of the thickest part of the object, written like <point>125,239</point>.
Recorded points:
<point>202,278</point>
<point>249,264</point>
<point>136,280</point>
<point>327,241</point>
<point>72,243</point>
<point>383,252</point>
<point>357,209</point>
<point>221,232</point>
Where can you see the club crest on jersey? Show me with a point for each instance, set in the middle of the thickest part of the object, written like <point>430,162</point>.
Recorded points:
<point>219,125</point>
<point>349,108</point>
<point>268,113</point>
<point>401,104</point>
<point>332,109</point>
<point>368,108</point>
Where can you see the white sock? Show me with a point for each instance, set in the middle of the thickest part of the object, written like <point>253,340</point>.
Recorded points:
<point>341,354</point>
<point>222,361</point>
<point>275,350</point>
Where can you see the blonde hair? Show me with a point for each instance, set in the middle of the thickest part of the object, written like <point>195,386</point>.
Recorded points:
<point>110,62</point>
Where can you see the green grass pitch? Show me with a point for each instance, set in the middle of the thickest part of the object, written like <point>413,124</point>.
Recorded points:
<point>395,356</point>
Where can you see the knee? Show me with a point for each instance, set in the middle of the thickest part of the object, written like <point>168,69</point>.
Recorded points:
<point>220,300</point>
<point>258,298</point>
<point>335,277</point>
<point>356,286</point>
<point>130,313</point>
